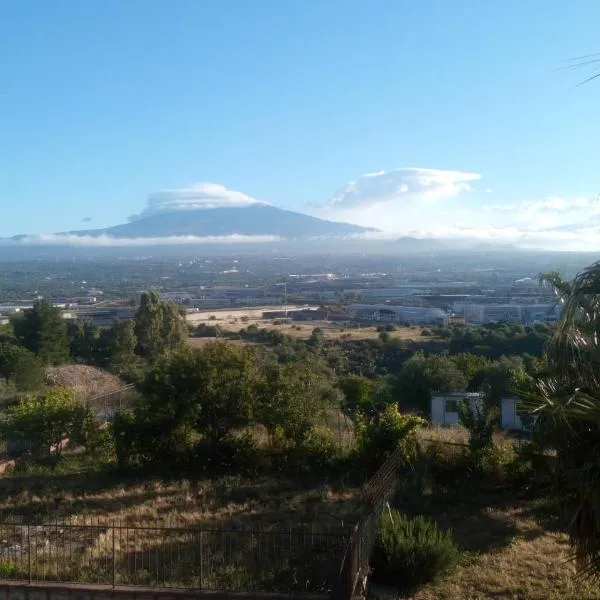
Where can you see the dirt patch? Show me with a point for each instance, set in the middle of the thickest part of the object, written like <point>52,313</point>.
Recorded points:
<point>83,379</point>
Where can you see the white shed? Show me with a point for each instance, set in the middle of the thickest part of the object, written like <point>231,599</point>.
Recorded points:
<point>444,409</point>
<point>509,418</point>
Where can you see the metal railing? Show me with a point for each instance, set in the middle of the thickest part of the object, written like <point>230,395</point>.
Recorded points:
<point>299,559</point>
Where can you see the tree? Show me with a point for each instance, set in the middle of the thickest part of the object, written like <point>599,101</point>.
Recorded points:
<point>292,398</point>
<point>9,354</point>
<point>357,391</point>
<point>43,331</point>
<point>566,407</point>
<point>20,366</point>
<point>159,327</point>
<point>45,423</point>
<point>421,375</point>
<point>316,339</point>
<point>471,366</point>
<point>28,373</point>
<point>365,396</point>
<point>122,343</point>
<point>193,400</point>
<point>498,377</point>
<point>85,339</point>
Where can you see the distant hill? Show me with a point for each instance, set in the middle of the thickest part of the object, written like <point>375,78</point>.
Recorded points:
<point>412,244</point>
<point>256,219</point>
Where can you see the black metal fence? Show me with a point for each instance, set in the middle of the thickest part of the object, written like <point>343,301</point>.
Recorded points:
<point>298,559</point>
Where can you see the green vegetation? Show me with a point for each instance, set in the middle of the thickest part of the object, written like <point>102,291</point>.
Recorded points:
<point>385,432</point>
<point>330,411</point>
<point>43,331</point>
<point>44,424</point>
<point>21,367</point>
<point>410,552</point>
<point>566,400</point>
<point>159,328</point>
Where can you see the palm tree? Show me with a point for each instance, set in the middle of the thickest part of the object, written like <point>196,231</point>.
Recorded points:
<point>566,407</point>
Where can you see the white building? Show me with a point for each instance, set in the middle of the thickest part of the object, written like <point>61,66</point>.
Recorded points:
<point>384,313</point>
<point>517,313</point>
<point>444,409</point>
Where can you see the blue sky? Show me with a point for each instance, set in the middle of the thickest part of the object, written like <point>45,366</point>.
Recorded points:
<point>105,103</point>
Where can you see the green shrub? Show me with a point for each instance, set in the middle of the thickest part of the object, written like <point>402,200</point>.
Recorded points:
<point>44,423</point>
<point>7,570</point>
<point>481,420</point>
<point>448,464</point>
<point>383,433</point>
<point>318,452</point>
<point>410,552</point>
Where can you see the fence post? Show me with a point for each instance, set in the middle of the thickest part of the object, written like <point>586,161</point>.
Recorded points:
<point>114,557</point>
<point>201,559</point>
<point>29,551</point>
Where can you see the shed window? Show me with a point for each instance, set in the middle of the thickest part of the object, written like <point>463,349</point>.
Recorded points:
<point>451,406</point>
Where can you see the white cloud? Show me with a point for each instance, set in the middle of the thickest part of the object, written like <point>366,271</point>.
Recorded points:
<point>198,196</point>
<point>446,204</point>
<point>581,239</point>
<point>101,241</point>
<point>389,200</point>
<point>402,185</point>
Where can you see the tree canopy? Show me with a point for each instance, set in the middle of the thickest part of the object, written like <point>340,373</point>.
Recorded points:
<point>43,331</point>
<point>160,328</point>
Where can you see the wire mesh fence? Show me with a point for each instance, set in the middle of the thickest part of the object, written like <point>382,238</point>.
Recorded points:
<point>107,405</point>
<point>295,559</point>
<point>377,492</point>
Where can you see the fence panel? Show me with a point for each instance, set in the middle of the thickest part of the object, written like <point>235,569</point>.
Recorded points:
<point>295,559</point>
<point>105,406</point>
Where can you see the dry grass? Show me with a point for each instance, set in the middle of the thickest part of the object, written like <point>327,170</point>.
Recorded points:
<point>201,342</point>
<point>452,435</point>
<point>303,330</point>
<point>513,542</point>
<point>155,539</point>
<point>334,331</point>
<point>231,501</point>
<point>512,555</point>
<point>459,435</point>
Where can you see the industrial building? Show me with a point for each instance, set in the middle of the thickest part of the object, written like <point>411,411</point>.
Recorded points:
<point>385,313</point>
<point>300,314</point>
<point>517,313</point>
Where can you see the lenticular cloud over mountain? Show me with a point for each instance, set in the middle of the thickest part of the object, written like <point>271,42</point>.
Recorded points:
<point>198,196</point>
<point>404,184</point>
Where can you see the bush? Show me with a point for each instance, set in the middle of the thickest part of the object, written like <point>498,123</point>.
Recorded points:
<point>448,464</point>
<point>44,424</point>
<point>204,330</point>
<point>385,432</point>
<point>411,551</point>
<point>318,453</point>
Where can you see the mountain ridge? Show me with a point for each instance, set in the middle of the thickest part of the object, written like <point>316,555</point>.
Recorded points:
<point>255,219</point>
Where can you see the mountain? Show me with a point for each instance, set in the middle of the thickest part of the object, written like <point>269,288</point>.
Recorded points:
<point>255,219</point>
